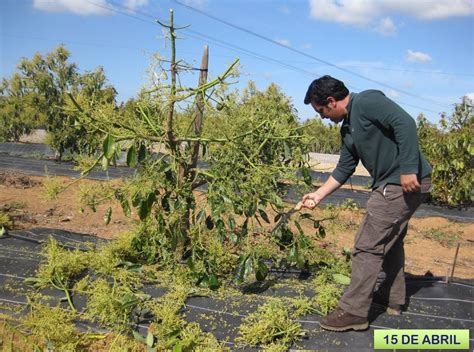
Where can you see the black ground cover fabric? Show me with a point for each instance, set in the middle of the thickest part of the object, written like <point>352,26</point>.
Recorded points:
<point>433,304</point>
<point>37,167</point>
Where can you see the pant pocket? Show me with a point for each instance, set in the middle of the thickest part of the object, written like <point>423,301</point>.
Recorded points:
<point>375,232</point>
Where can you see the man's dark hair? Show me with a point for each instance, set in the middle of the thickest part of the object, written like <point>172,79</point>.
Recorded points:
<point>326,86</point>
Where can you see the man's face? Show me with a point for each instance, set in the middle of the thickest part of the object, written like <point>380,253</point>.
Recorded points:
<point>330,111</point>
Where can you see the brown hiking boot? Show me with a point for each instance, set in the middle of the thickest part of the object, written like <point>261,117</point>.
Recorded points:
<point>339,320</point>
<point>391,308</point>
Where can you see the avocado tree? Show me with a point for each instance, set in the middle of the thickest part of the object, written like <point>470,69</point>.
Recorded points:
<point>37,96</point>
<point>251,143</point>
<point>18,112</point>
<point>450,150</point>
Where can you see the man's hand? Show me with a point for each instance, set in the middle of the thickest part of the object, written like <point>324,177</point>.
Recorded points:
<point>409,183</point>
<point>311,200</point>
<point>322,192</point>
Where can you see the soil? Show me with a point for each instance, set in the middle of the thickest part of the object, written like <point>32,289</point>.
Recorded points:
<point>430,245</point>
<point>25,200</point>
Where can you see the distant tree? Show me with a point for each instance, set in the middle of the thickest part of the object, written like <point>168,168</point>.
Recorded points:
<point>51,77</point>
<point>18,114</point>
<point>93,93</point>
<point>38,95</point>
<point>324,138</point>
<point>450,150</point>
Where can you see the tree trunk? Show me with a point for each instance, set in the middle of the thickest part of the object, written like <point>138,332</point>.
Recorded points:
<point>188,170</point>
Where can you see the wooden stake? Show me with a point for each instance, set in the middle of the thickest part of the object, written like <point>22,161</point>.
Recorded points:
<point>197,125</point>
<point>454,261</point>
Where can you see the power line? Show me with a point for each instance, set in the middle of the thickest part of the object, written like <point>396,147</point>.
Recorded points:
<point>100,45</point>
<point>222,43</point>
<point>294,68</point>
<point>410,70</point>
<point>238,48</point>
<point>94,44</point>
<point>255,34</point>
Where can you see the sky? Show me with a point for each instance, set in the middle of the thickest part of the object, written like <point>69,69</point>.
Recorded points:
<point>419,53</point>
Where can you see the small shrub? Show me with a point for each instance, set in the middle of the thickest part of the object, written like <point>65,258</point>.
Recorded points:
<point>15,205</point>
<point>438,235</point>
<point>5,221</point>
<point>84,162</point>
<point>91,195</point>
<point>52,186</point>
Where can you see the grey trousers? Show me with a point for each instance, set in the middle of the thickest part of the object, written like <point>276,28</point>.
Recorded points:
<point>379,246</point>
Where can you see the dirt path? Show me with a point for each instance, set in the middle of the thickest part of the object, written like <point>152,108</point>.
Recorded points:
<point>430,244</point>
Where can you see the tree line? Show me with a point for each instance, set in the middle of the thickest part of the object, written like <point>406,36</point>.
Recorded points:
<point>37,95</point>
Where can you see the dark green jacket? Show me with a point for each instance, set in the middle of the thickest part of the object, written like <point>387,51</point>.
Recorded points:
<point>383,136</point>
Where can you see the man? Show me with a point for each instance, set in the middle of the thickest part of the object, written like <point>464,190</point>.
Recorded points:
<point>380,134</point>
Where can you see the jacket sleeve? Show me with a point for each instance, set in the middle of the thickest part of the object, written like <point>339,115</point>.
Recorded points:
<point>379,109</point>
<point>346,165</point>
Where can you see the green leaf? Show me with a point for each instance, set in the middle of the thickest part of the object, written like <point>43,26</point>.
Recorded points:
<point>126,208</point>
<point>32,281</point>
<point>136,199</point>
<point>129,300</point>
<point>201,216</point>
<point>226,199</point>
<point>304,242</point>
<point>190,263</point>
<point>248,267</point>
<point>151,198</point>
<point>165,201</point>
<point>178,347</point>
<point>234,237</point>
<point>232,223</point>
<point>285,235</point>
<point>240,271</point>
<point>293,254</point>
<point>213,282</point>
<point>141,153</point>
<point>298,226</point>
<point>287,151</point>
<point>341,279</point>
<point>108,215</point>
<point>105,163</point>
<point>109,146</point>
<point>150,339</point>
<point>146,205</point>
<point>244,228</point>
<point>306,176</point>
<point>262,271</point>
<point>306,216</point>
<point>264,215</point>
<point>132,156</point>
<point>220,225</point>
<point>139,337</point>
<point>250,211</point>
